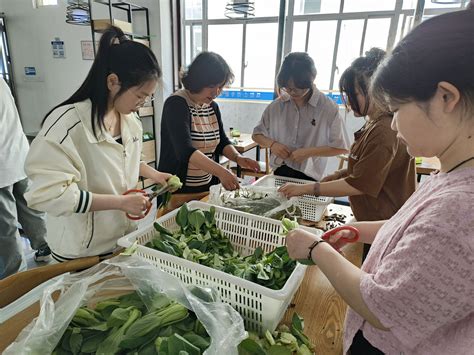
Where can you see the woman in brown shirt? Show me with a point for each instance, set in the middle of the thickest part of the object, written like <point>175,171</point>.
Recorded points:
<point>380,175</point>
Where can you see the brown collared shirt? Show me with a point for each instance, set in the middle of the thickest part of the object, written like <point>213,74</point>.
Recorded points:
<point>381,168</point>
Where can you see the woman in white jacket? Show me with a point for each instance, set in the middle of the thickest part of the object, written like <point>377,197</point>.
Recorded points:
<point>87,153</point>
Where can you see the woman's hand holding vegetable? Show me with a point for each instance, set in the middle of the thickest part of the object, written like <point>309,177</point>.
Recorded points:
<point>298,242</point>
<point>228,180</point>
<point>161,178</point>
<point>290,189</point>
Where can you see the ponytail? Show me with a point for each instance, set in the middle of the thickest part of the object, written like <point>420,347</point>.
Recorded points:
<point>133,63</point>
<point>359,74</point>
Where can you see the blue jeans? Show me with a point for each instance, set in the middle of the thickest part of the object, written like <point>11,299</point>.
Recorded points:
<point>14,210</point>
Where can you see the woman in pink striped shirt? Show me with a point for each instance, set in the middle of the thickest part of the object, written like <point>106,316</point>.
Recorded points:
<point>415,291</point>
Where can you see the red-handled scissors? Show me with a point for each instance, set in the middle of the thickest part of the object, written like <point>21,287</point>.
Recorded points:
<point>150,196</point>
<point>353,239</point>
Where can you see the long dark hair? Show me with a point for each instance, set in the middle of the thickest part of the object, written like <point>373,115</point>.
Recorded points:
<point>206,70</point>
<point>439,49</point>
<point>299,67</point>
<point>358,75</point>
<point>133,63</point>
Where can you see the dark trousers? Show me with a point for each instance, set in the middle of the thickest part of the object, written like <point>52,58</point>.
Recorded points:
<point>365,251</point>
<point>360,346</point>
<point>285,170</point>
<point>14,209</point>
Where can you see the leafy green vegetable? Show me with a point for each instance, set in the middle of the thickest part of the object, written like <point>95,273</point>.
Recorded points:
<point>174,182</point>
<point>201,241</point>
<point>177,343</point>
<point>118,326</point>
<point>288,225</point>
<point>259,203</point>
<point>281,342</point>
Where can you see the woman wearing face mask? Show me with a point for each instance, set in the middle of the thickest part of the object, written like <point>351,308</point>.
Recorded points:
<point>302,127</point>
<point>192,133</point>
<point>413,294</point>
<point>380,175</point>
<point>87,153</point>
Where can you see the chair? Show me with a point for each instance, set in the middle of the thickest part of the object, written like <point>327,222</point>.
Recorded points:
<point>265,168</point>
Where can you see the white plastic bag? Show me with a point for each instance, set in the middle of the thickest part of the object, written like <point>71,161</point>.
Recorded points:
<point>260,200</point>
<point>119,275</point>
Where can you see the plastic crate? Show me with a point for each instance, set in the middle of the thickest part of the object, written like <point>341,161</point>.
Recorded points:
<point>261,307</point>
<point>312,207</point>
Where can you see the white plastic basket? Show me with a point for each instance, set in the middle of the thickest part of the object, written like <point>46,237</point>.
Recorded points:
<point>312,207</point>
<point>260,307</point>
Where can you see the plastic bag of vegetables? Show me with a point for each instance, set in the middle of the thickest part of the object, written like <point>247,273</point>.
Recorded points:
<point>125,306</point>
<point>258,200</point>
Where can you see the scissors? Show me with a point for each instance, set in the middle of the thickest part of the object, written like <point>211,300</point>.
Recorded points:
<point>330,233</point>
<point>150,196</point>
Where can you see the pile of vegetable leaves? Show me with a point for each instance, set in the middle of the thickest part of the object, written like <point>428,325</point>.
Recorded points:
<point>199,239</point>
<point>124,325</point>
<point>258,203</point>
<point>284,341</point>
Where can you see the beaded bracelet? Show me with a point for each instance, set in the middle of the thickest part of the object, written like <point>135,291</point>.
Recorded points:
<point>312,246</point>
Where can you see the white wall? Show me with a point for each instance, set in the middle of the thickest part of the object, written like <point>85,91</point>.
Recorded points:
<point>31,31</point>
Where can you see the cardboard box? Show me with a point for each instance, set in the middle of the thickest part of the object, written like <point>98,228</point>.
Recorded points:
<point>142,41</point>
<point>148,151</point>
<point>102,24</point>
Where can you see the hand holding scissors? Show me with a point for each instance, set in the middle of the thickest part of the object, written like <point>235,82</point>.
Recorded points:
<point>340,236</point>
<point>337,237</point>
<point>147,203</point>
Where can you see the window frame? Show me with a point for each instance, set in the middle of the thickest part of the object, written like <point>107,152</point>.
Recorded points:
<point>396,15</point>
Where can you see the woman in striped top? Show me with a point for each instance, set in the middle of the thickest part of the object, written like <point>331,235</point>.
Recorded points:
<point>192,133</point>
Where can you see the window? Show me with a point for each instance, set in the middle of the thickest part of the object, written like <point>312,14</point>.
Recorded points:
<point>219,38</point>
<point>368,5</point>
<point>193,9</point>
<point>321,49</point>
<point>331,36</point>
<point>260,59</point>
<point>303,7</point>
<point>376,34</point>
<point>38,3</point>
<point>193,36</point>
<point>349,46</point>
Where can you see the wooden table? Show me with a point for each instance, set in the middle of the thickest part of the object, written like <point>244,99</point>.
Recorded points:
<point>320,305</point>
<point>244,144</point>
<point>427,166</point>
<point>317,301</point>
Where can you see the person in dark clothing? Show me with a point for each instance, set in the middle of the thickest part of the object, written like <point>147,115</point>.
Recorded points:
<point>192,133</point>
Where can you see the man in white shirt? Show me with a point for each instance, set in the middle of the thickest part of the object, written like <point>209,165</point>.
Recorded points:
<point>13,184</point>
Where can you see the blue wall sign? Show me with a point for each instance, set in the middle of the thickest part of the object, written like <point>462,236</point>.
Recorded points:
<point>246,95</point>
<point>30,71</point>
